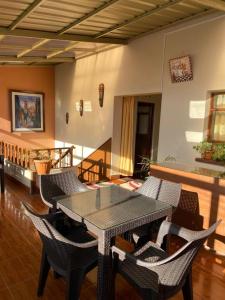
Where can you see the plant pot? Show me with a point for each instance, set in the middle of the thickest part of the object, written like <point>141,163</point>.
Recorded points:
<point>43,166</point>
<point>207,155</point>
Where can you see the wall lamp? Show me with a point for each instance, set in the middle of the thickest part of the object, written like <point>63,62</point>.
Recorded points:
<point>101,94</point>
<point>81,107</point>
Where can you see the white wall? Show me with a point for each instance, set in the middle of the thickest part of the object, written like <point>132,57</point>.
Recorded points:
<point>185,105</point>
<point>138,68</point>
<point>133,69</point>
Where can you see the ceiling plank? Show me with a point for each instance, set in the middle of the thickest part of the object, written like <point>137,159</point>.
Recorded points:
<point>25,13</point>
<point>4,58</point>
<point>55,53</point>
<point>102,49</point>
<point>174,23</point>
<point>216,4</point>
<point>54,36</point>
<point>35,46</point>
<point>86,16</point>
<point>139,17</point>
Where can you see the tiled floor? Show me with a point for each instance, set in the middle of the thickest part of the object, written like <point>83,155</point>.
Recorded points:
<point>20,249</point>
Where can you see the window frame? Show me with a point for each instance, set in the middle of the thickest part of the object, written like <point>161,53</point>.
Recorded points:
<point>212,109</point>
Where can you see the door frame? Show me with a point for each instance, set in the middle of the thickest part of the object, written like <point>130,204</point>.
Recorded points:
<point>155,98</point>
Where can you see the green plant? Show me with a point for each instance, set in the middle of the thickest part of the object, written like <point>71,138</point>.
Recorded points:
<point>40,155</point>
<point>203,147</point>
<point>218,152</point>
<point>146,164</point>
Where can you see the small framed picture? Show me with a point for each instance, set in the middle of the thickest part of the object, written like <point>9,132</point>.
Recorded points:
<point>27,111</point>
<point>181,69</point>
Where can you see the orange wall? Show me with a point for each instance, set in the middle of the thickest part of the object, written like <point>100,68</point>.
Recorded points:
<point>35,79</point>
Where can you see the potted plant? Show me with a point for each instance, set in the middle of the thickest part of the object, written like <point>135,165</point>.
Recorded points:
<point>219,152</point>
<point>205,149</point>
<point>146,165</point>
<point>42,162</point>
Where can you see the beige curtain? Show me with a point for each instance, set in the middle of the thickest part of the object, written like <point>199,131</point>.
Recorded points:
<point>127,137</point>
<point>219,127</point>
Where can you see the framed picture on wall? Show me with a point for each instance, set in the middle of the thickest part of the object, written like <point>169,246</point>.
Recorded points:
<point>27,111</point>
<point>181,69</point>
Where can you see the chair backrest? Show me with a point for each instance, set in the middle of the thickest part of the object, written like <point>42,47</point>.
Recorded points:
<point>163,190</point>
<point>175,267</point>
<point>58,184</point>
<point>169,192</point>
<point>56,246</point>
<point>150,187</point>
<point>189,201</point>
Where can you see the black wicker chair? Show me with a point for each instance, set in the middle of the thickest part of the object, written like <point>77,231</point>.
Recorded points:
<point>59,184</point>
<point>158,189</point>
<point>154,273</point>
<point>70,256</point>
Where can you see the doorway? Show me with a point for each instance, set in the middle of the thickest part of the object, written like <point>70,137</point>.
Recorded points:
<point>144,135</point>
<point>145,131</point>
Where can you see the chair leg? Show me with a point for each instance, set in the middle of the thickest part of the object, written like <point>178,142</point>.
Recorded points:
<point>114,273</point>
<point>150,295</point>
<point>44,269</point>
<point>187,288</point>
<point>74,282</point>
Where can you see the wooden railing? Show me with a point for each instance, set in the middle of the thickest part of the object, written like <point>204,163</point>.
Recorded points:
<point>61,157</point>
<point>95,172</point>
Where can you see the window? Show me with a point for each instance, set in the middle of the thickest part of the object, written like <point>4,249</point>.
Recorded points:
<point>216,128</point>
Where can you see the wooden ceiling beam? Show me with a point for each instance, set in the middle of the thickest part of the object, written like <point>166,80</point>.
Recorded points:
<point>216,4</point>
<point>25,13</point>
<point>5,58</point>
<point>138,18</point>
<point>35,46</point>
<point>71,47</point>
<point>54,36</point>
<point>87,16</point>
<point>55,53</point>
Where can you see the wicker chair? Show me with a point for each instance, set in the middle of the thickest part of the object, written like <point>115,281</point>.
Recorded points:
<point>150,187</point>
<point>154,273</point>
<point>158,189</point>
<point>59,184</point>
<point>71,257</point>
<point>187,213</point>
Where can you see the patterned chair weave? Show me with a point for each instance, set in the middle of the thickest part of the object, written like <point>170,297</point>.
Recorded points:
<point>169,192</point>
<point>150,268</point>
<point>150,187</point>
<point>189,201</point>
<point>70,257</point>
<point>157,189</point>
<point>53,185</point>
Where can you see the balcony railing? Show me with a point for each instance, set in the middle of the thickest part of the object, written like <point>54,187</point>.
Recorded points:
<point>60,157</point>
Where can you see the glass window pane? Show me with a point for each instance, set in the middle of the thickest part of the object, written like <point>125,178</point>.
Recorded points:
<point>219,101</point>
<point>218,126</point>
<point>143,124</point>
<point>143,108</point>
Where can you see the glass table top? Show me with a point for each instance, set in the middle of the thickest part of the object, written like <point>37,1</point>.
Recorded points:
<point>111,206</point>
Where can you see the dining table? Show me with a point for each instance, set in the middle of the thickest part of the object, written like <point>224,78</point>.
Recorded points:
<point>108,212</point>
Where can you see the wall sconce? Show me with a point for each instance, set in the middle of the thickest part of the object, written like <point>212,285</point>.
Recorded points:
<point>101,94</point>
<point>81,108</point>
<point>67,118</point>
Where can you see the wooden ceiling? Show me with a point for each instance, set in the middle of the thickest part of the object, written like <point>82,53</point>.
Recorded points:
<point>55,31</point>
